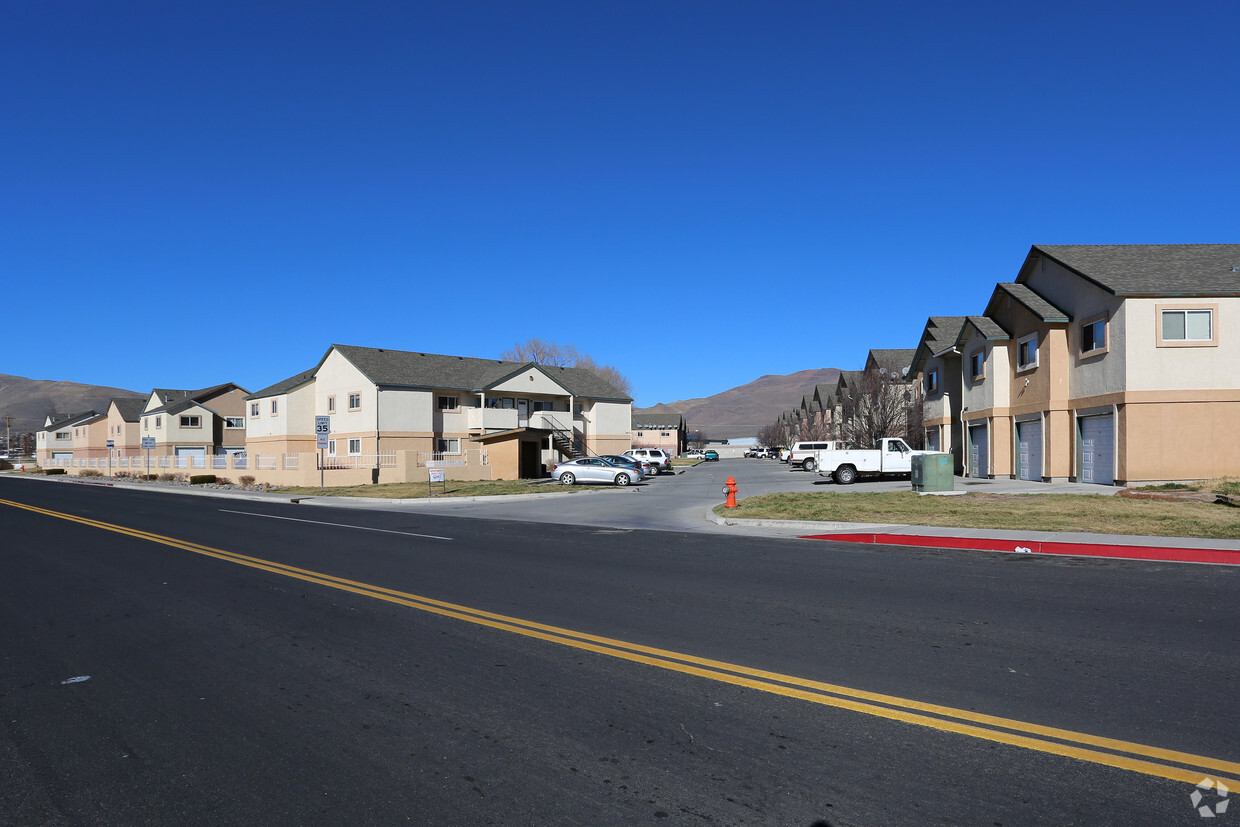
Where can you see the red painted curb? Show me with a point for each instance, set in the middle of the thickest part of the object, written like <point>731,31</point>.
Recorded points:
<point>1173,554</point>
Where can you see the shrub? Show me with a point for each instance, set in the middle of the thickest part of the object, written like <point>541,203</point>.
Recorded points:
<point>222,481</point>
<point>170,477</point>
<point>201,479</point>
<point>53,472</point>
<point>90,473</point>
<point>121,475</point>
<point>245,479</point>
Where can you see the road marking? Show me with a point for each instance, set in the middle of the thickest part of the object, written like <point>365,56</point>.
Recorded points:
<point>1092,748</point>
<point>337,525</point>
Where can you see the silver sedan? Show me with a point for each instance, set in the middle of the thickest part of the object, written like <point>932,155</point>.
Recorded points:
<point>593,469</point>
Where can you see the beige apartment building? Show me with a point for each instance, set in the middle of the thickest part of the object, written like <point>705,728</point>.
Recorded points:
<point>1115,364</point>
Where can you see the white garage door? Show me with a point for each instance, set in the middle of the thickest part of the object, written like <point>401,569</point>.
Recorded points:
<point>1098,449</point>
<point>979,455</point>
<point>1029,450</point>
<point>932,439</point>
<point>190,452</point>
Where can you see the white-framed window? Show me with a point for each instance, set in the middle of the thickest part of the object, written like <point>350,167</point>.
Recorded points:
<point>1027,352</point>
<point>451,445</point>
<point>159,421</point>
<point>355,400</point>
<point>234,422</point>
<point>191,421</point>
<point>932,381</point>
<point>449,403</point>
<point>331,447</point>
<point>63,435</point>
<point>331,404</point>
<point>665,433</point>
<point>275,407</point>
<point>355,446</point>
<point>253,409</point>
<point>977,365</point>
<point>508,402</point>
<point>1187,326</point>
<point>1094,336</point>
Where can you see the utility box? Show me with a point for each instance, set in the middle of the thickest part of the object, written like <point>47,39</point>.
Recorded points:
<point>933,472</point>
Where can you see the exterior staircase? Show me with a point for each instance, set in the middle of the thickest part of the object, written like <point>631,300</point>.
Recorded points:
<point>567,446</point>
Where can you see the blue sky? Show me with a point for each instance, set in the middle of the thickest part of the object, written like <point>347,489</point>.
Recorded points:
<point>697,193</point>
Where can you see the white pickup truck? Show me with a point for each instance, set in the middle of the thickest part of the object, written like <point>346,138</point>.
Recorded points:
<point>892,456</point>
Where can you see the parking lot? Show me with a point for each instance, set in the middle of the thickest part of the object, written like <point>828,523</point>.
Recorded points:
<point>682,502</point>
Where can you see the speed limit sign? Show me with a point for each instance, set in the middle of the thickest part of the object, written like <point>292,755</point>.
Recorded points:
<point>322,427</point>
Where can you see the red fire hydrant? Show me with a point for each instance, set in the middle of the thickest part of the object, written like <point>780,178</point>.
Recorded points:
<point>729,488</point>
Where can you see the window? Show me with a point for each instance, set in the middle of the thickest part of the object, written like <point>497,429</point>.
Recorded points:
<point>275,407</point>
<point>158,421</point>
<point>355,401</point>
<point>1094,336</point>
<point>234,422</point>
<point>641,433</point>
<point>331,404</point>
<point>932,381</point>
<point>253,409</point>
<point>508,402</point>
<point>355,447</point>
<point>63,435</point>
<point>331,447</point>
<point>448,446</point>
<point>146,424</point>
<point>977,365</point>
<point>191,421</point>
<point>1187,326</point>
<point>665,433</point>
<point>448,403</point>
<point>1027,352</point>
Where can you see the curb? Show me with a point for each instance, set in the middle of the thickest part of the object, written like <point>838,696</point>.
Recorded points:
<point>1119,551</point>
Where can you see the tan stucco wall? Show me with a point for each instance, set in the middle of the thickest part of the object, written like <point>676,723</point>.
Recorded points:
<point>1178,441</point>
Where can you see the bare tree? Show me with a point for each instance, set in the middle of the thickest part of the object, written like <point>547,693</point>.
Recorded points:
<point>770,436</point>
<point>566,356</point>
<point>878,406</point>
<point>542,353</point>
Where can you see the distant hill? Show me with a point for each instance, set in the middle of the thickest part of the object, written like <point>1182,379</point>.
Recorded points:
<point>741,411</point>
<point>29,401</point>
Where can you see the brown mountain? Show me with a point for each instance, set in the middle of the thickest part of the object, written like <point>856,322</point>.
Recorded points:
<point>29,401</point>
<point>741,411</point>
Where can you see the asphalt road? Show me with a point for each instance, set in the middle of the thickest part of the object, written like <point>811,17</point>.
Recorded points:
<point>197,660</point>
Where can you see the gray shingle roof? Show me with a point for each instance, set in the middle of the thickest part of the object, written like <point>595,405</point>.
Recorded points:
<point>1036,305</point>
<point>173,397</point>
<point>1150,269</point>
<point>284,386</point>
<point>129,408</point>
<point>660,422</point>
<point>892,360</point>
<point>408,369</point>
<point>62,421</point>
<point>986,326</point>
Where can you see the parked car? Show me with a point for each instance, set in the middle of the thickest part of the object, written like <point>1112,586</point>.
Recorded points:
<point>661,459</point>
<point>644,467</point>
<point>711,455</point>
<point>694,454</point>
<point>593,469</point>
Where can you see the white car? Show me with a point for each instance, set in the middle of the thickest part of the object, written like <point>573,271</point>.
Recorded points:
<point>657,457</point>
<point>593,469</point>
<point>694,454</point>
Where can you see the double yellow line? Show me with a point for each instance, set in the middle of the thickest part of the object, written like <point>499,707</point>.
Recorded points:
<point>1163,763</point>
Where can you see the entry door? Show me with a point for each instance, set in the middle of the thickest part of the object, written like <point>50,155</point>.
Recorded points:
<point>1098,449</point>
<point>979,455</point>
<point>932,439</point>
<point>523,413</point>
<point>1029,446</point>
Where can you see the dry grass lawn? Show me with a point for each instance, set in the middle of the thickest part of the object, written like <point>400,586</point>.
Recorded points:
<point>1035,512</point>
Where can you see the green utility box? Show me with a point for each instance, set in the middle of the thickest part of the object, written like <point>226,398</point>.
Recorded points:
<point>933,472</point>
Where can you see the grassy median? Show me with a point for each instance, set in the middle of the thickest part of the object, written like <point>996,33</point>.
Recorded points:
<point>1034,512</point>
<point>453,488</point>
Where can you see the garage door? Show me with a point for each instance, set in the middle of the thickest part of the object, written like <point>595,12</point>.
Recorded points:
<point>932,439</point>
<point>190,452</point>
<point>979,455</point>
<point>1098,449</point>
<point>1029,450</point>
